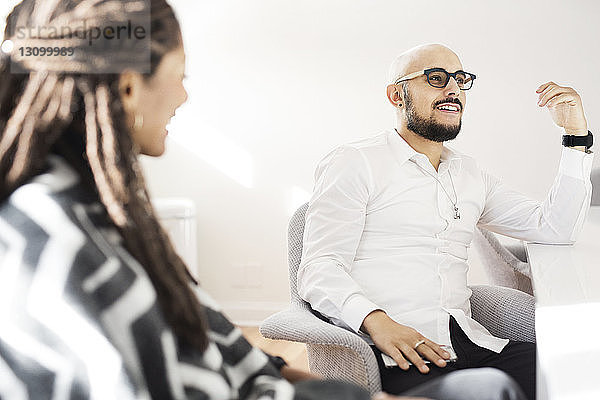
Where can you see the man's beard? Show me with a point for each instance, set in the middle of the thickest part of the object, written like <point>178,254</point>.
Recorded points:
<point>428,128</point>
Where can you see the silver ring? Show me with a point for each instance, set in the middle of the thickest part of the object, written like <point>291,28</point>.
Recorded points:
<point>420,342</point>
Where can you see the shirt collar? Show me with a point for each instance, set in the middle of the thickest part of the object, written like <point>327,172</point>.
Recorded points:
<point>452,158</point>
<point>403,152</point>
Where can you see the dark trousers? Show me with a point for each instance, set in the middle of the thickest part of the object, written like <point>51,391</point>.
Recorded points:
<point>517,359</point>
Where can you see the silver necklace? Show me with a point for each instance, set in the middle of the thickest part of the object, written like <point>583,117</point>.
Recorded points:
<point>455,201</point>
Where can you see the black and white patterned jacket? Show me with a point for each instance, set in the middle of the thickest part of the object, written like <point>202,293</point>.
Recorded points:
<point>79,318</point>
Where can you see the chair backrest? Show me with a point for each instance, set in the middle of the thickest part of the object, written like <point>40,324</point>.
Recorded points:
<point>502,265</point>
<point>295,238</point>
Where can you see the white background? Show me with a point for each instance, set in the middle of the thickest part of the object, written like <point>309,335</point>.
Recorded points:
<point>275,84</point>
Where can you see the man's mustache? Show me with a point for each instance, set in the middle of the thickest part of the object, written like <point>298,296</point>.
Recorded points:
<point>449,100</point>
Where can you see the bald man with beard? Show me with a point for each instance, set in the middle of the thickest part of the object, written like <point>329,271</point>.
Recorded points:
<point>392,216</point>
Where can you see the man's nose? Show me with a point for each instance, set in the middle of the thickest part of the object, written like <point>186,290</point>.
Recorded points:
<point>452,88</point>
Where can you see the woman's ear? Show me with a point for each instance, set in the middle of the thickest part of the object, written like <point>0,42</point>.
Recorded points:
<point>130,87</point>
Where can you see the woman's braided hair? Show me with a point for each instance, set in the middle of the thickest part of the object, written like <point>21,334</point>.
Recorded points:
<point>67,108</point>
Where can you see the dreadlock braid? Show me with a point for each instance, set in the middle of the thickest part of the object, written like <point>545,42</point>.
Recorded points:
<point>34,116</point>
<point>95,158</point>
<point>13,125</point>
<point>69,110</point>
<point>108,140</point>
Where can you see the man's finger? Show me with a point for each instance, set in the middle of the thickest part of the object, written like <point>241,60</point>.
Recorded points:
<point>397,356</point>
<point>431,355</point>
<point>546,89</point>
<point>566,98</point>
<point>438,349</point>
<point>556,90</point>
<point>543,86</point>
<point>414,357</point>
<point>547,93</point>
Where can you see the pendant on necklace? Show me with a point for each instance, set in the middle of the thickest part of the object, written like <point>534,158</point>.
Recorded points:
<point>456,213</point>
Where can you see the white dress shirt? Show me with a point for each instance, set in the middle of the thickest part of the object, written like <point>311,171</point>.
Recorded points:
<point>381,234</point>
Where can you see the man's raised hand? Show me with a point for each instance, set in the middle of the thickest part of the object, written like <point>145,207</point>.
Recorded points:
<point>565,107</point>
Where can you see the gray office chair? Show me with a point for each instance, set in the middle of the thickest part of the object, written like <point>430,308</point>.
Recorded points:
<point>505,266</point>
<point>337,353</point>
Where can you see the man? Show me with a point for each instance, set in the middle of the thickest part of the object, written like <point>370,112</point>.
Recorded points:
<point>391,218</point>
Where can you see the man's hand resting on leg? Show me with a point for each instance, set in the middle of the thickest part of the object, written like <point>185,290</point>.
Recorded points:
<point>402,343</point>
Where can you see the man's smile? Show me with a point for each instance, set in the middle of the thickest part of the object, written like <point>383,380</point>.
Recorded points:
<point>449,107</point>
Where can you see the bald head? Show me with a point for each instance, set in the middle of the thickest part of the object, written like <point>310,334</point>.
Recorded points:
<point>423,57</point>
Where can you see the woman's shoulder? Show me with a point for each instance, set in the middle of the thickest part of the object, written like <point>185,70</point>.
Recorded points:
<point>56,230</point>
<point>54,208</point>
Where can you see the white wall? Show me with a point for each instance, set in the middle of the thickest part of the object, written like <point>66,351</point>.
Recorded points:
<point>283,82</point>
<point>276,84</point>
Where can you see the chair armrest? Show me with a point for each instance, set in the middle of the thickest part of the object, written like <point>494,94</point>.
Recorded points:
<point>298,324</point>
<point>506,313</point>
<point>333,352</point>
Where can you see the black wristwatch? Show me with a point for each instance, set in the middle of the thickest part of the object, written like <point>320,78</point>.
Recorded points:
<point>572,140</point>
<point>277,361</point>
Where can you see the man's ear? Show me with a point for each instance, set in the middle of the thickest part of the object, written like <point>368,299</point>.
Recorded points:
<point>130,84</point>
<point>393,95</point>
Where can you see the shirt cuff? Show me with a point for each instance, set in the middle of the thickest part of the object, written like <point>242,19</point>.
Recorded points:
<point>356,309</point>
<point>576,164</point>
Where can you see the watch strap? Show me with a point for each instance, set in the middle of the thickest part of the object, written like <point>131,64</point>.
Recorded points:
<point>277,361</point>
<point>572,140</point>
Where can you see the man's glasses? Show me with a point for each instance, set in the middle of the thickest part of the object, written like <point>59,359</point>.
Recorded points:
<point>439,78</point>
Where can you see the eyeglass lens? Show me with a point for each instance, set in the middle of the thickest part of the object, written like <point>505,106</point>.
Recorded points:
<point>440,79</point>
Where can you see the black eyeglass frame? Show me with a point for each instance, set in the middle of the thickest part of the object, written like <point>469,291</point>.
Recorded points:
<point>428,71</point>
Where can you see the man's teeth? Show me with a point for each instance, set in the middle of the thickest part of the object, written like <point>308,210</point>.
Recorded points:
<point>448,107</point>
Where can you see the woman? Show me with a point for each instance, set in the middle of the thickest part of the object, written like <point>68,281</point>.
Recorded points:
<point>94,302</point>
